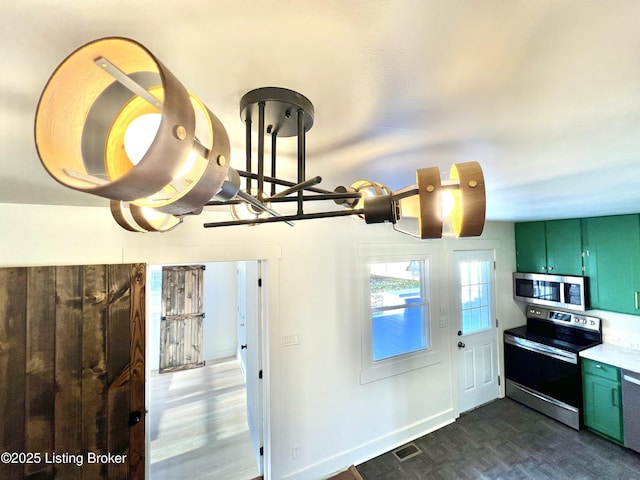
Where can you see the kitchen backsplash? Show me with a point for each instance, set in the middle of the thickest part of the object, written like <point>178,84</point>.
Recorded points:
<point>619,329</point>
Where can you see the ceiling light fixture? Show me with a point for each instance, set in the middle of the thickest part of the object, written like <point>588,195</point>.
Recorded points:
<point>113,121</point>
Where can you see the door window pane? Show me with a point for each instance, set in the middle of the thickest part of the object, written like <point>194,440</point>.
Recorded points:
<point>475,296</point>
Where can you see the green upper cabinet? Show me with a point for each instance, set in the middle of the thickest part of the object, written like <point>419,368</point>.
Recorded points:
<point>564,247</point>
<point>612,262</point>
<point>553,247</point>
<point>531,249</point>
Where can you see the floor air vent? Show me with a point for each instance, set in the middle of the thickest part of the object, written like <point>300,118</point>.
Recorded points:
<point>406,452</point>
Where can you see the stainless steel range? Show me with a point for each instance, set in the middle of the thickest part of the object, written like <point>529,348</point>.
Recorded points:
<point>542,362</point>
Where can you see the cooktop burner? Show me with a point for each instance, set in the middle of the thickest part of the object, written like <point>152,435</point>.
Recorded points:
<point>571,332</point>
<point>573,345</point>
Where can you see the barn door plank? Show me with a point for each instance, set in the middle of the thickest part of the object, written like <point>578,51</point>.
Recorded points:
<point>13,298</point>
<point>94,367</point>
<point>137,436</point>
<point>118,346</point>
<point>68,367</point>
<point>40,379</point>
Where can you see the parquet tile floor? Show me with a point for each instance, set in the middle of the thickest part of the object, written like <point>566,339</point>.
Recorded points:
<point>506,440</point>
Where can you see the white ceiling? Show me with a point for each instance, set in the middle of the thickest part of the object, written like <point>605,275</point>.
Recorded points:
<point>545,94</point>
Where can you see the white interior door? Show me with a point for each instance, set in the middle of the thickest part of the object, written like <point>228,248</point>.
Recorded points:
<point>242,317</point>
<point>253,295</point>
<point>476,335</point>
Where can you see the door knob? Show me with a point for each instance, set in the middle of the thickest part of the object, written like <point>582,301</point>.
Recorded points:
<point>134,418</point>
<point>461,345</point>
<point>243,347</point>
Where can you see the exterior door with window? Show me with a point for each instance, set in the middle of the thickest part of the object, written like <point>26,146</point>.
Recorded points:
<point>476,341</point>
<point>181,321</point>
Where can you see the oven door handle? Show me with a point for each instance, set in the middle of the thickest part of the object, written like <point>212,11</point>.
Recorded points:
<point>542,349</point>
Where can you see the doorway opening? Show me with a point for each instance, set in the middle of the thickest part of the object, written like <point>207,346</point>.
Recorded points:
<point>205,418</point>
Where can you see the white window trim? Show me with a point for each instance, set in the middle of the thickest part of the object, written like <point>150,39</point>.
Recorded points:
<point>376,370</point>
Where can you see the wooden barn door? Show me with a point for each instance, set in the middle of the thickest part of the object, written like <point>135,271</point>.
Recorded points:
<point>181,320</point>
<point>72,372</point>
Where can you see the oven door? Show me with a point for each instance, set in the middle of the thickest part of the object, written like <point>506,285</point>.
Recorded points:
<point>547,370</point>
<point>545,378</point>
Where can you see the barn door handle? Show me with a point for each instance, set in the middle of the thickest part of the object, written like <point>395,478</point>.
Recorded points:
<point>243,347</point>
<point>134,418</point>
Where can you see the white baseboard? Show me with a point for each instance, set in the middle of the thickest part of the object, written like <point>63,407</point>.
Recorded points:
<point>373,448</point>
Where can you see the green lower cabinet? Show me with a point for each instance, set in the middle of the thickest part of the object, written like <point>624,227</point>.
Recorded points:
<point>602,399</point>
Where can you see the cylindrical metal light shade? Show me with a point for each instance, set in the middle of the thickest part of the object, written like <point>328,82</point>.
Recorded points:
<point>468,215</point>
<point>420,213</point>
<point>90,102</point>
<point>430,195</point>
<point>142,219</point>
<point>421,205</point>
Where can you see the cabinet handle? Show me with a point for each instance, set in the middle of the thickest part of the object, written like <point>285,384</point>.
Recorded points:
<point>613,397</point>
<point>598,366</point>
<point>635,297</point>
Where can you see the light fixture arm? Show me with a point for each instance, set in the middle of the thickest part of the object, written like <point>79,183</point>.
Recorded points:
<point>306,216</point>
<point>114,87</point>
<point>261,206</point>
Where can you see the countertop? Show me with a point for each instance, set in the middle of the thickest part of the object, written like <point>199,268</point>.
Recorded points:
<point>621,357</point>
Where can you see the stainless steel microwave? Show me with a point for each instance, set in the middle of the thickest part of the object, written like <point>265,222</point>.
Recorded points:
<point>569,293</point>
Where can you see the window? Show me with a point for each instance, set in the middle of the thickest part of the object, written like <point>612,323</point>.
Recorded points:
<point>399,308</point>
<point>398,329</point>
<point>475,301</point>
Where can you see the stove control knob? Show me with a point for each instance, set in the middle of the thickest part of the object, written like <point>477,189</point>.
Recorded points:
<point>576,320</point>
<point>592,322</point>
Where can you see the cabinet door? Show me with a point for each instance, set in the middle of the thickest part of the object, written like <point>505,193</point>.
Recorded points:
<point>564,247</point>
<point>531,250</point>
<point>613,262</point>
<point>602,408</point>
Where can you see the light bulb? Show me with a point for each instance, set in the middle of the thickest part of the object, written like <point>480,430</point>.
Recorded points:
<point>448,203</point>
<point>140,135</point>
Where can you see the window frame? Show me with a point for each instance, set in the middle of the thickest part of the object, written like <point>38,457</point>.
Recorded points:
<point>373,370</point>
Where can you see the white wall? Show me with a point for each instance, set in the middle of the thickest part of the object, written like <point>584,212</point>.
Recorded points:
<point>316,402</point>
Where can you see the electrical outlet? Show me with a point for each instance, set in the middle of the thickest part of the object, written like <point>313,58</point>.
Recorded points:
<point>296,452</point>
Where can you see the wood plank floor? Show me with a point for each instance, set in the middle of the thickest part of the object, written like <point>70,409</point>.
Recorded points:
<point>198,424</point>
<point>506,440</point>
